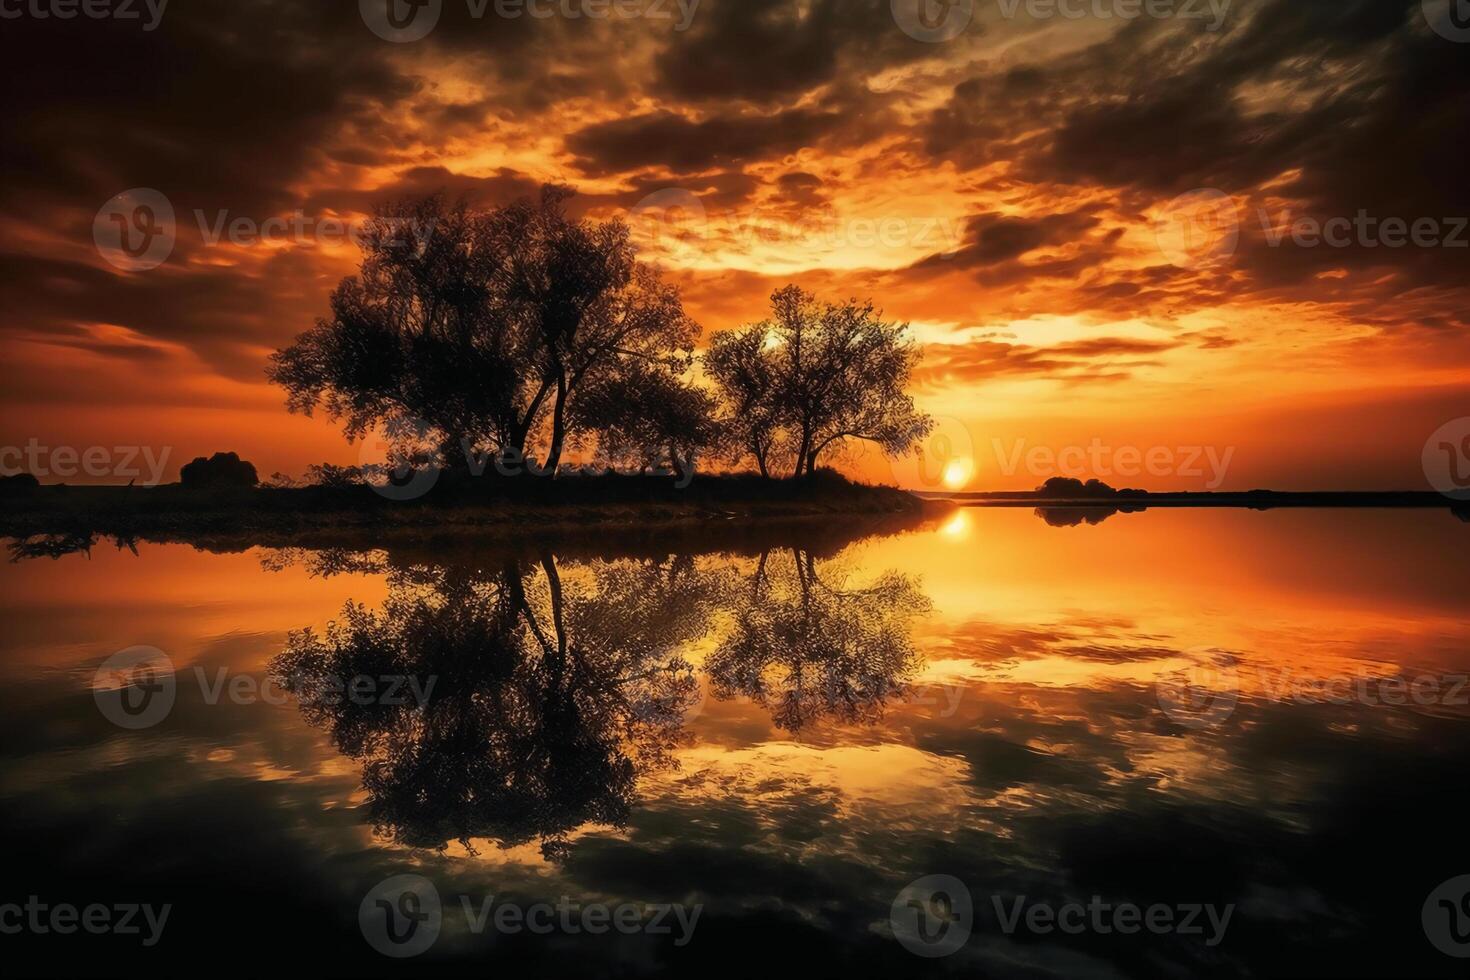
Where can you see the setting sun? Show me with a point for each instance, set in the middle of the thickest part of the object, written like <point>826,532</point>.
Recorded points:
<point>957,473</point>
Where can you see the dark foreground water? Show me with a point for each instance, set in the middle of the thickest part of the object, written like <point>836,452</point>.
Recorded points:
<point>1178,743</point>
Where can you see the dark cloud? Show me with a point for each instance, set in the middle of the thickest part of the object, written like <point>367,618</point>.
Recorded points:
<point>1102,359</point>
<point>774,50</point>
<point>684,145</point>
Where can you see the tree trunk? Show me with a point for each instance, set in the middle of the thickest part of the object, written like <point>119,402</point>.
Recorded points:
<point>558,425</point>
<point>802,452</point>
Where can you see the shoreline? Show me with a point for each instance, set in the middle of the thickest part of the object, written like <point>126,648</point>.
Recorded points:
<point>1250,499</point>
<point>737,511</point>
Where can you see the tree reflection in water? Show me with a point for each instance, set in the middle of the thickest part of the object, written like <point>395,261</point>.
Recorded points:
<point>804,647</point>
<point>554,690</point>
<point>548,697</point>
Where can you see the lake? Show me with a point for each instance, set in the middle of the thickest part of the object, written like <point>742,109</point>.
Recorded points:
<point>1170,743</point>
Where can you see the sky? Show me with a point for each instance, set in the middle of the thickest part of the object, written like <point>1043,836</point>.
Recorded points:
<point>1219,246</point>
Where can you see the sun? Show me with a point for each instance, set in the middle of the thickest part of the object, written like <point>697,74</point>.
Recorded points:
<point>957,473</point>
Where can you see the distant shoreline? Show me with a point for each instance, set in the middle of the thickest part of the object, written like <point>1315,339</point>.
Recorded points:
<point>1250,499</point>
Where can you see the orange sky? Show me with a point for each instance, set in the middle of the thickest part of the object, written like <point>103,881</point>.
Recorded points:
<point>1014,192</point>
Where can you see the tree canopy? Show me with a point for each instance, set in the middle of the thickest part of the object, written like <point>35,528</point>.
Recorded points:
<point>470,333</point>
<point>813,376</point>
<point>484,326</point>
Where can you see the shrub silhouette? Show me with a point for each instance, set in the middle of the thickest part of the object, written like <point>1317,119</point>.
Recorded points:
<point>219,472</point>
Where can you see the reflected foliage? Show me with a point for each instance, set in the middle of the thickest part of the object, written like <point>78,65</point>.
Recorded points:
<point>547,692</point>
<point>805,647</point>
<point>549,695</point>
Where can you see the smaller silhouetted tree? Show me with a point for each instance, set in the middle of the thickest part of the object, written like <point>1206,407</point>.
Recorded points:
<point>816,375</point>
<point>647,416</point>
<point>744,372</point>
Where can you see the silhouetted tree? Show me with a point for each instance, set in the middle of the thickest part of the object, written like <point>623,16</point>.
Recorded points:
<point>819,375</point>
<point>483,325</point>
<point>647,415</point>
<point>745,374</point>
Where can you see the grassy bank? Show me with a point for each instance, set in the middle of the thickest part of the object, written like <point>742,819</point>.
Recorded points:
<point>489,507</point>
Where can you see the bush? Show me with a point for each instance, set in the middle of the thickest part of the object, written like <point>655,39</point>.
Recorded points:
<point>218,472</point>
<point>20,483</point>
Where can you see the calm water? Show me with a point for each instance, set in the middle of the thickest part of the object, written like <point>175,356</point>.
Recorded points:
<point>1252,727</point>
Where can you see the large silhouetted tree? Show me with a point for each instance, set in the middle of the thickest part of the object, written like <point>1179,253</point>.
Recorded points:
<point>483,326</point>
<point>816,375</point>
